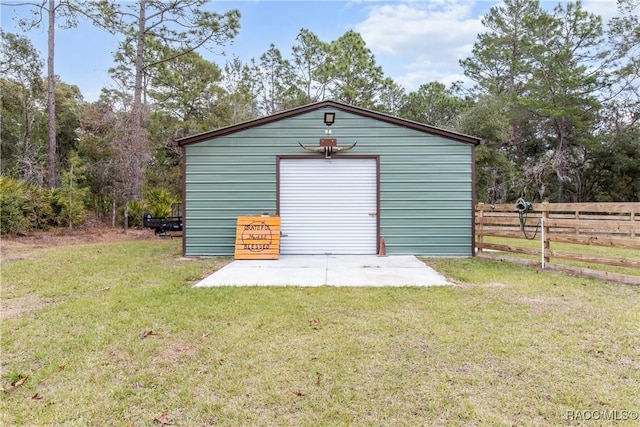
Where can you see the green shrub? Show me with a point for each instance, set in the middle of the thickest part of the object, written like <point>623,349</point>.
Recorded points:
<point>69,206</point>
<point>135,214</point>
<point>25,207</point>
<point>41,213</point>
<point>158,202</point>
<point>69,198</point>
<point>14,206</point>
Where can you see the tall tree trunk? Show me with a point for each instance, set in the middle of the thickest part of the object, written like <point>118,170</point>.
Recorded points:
<point>113,209</point>
<point>51,80</point>
<point>560,153</point>
<point>136,143</point>
<point>126,216</point>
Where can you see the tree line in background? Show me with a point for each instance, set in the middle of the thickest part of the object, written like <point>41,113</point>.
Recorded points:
<point>555,99</point>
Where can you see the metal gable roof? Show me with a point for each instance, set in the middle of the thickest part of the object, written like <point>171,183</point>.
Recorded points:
<point>335,105</point>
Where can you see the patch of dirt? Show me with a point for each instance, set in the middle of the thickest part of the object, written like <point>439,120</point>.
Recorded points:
<point>545,301</point>
<point>541,305</point>
<point>465,285</point>
<point>494,285</point>
<point>176,352</point>
<point>626,361</point>
<point>15,307</point>
<point>14,248</point>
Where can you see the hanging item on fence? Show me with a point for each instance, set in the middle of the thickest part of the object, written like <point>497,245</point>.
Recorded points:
<point>523,207</point>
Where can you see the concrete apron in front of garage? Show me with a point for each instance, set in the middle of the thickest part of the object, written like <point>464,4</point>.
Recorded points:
<point>329,270</point>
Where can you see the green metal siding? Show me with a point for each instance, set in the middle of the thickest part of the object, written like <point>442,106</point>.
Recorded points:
<point>425,182</point>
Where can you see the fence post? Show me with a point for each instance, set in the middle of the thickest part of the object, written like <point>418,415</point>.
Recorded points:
<point>633,230</point>
<point>546,244</point>
<point>542,240</point>
<point>479,230</point>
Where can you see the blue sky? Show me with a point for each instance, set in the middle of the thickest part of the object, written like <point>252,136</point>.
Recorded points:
<point>415,42</point>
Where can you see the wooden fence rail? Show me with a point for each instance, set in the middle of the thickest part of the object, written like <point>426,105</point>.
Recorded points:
<point>615,225</point>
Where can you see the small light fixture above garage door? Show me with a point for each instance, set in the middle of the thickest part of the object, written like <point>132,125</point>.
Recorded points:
<point>329,118</point>
<point>328,146</point>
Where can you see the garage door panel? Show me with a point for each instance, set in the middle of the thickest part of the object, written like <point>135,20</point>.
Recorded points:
<point>328,206</point>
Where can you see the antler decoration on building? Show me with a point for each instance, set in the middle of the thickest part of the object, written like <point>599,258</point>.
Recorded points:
<point>329,150</point>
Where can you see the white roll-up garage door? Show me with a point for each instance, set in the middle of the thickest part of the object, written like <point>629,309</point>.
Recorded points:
<point>328,206</point>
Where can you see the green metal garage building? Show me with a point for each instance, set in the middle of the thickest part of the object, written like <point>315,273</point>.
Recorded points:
<point>410,183</point>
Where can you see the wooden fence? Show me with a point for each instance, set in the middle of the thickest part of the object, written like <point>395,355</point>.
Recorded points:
<point>615,225</point>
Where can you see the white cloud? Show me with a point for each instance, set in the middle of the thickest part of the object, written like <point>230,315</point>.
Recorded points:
<point>418,42</point>
<point>607,9</point>
<point>429,38</point>
<point>424,71</point>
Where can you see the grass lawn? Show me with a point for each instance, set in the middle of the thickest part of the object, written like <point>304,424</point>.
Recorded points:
<point>114,334</point>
